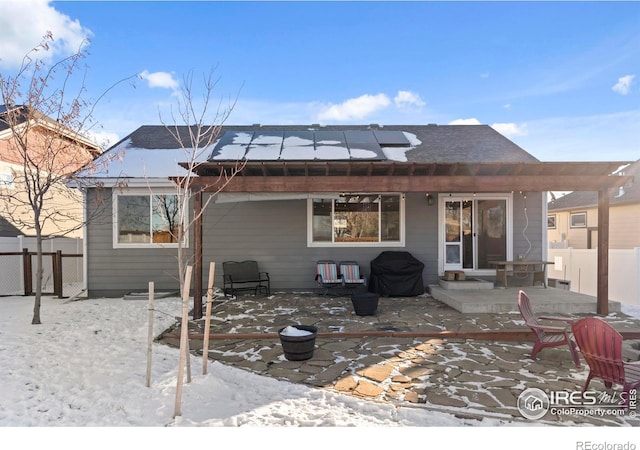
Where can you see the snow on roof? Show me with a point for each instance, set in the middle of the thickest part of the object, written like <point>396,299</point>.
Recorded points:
<point>124,161</point>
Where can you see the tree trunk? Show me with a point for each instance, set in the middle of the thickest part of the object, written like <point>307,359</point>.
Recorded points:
<point>39,273</point>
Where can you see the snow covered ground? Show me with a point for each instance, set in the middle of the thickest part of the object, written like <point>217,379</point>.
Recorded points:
<point>85,367</point>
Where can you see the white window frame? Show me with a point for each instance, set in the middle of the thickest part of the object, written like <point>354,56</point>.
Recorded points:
<point>137,193</point>
<point>400,243</point>
<point>578,214</point>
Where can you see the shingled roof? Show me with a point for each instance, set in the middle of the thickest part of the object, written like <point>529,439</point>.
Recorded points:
<point>424,143</point>
<point>586,199</point>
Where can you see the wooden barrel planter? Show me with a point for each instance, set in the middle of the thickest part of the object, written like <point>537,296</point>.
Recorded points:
<point>298,341</point>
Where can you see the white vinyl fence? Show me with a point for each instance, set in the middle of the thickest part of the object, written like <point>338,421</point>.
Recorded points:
<point>11,274</point>
<point>577,269</point>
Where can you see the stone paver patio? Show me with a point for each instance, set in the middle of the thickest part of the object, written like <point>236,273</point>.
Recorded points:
<point>471,378</point>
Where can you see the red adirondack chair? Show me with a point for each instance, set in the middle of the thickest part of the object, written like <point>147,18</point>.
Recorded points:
<point>601,346</point>
<point>547,335</point>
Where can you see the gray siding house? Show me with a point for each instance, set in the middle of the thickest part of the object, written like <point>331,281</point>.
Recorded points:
<point>456,197</point>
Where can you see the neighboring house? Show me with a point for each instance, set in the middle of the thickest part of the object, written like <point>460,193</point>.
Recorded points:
<point>71,152</point>
<point>455,197</point>
<point>573,218</point>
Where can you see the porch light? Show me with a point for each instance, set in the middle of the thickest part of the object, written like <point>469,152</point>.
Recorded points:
<point>429,199</point>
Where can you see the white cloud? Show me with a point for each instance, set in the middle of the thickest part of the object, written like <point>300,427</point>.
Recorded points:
<point>24,23</point>
<point>510,129</point>
<point>507,106</point>
<point>623,86</point>
<point>472,121</point>
<point>407,98</point>
<point>104,139</point>
<point>160,79</point>
<point>355,108</point>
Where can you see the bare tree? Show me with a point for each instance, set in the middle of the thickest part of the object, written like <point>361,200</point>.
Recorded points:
<point>44,108</point>
<point>195,126</point>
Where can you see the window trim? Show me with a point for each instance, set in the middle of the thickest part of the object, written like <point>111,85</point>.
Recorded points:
<point>379,244</point>
<point>137,193</point>
<point>552,221</point>
<point>576,214</point>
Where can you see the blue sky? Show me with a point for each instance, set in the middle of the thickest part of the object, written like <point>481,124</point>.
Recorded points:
<point>561,79</point>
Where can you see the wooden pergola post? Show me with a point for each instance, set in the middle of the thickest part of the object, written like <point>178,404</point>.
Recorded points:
<point>603,252</point>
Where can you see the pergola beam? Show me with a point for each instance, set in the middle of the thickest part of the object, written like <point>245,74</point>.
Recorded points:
<point>454,183</point>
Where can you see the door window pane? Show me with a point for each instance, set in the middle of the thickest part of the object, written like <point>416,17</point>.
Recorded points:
<point>492,232</point>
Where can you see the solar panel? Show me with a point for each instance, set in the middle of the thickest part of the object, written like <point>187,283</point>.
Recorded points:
<point>360,137</point>
<point>298,138</point>
<point>298,145</point>
<point>363,145</point>
<point>236,137</point>
<point>232,145</point>
<point>308,145</point>
<point>366,151</point>
<point>391,138</point>
<point>330,137</point>
<point>264,152</point>
<point>268,137</point>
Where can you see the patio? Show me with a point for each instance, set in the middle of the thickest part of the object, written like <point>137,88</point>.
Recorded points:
<point>505,300</point>
<point>415,351</point>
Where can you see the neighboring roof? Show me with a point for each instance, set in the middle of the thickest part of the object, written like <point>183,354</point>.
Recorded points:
<point>47,122</point>
<point>583,199</point>
<point>8,229</point>
<point>3,124</point>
